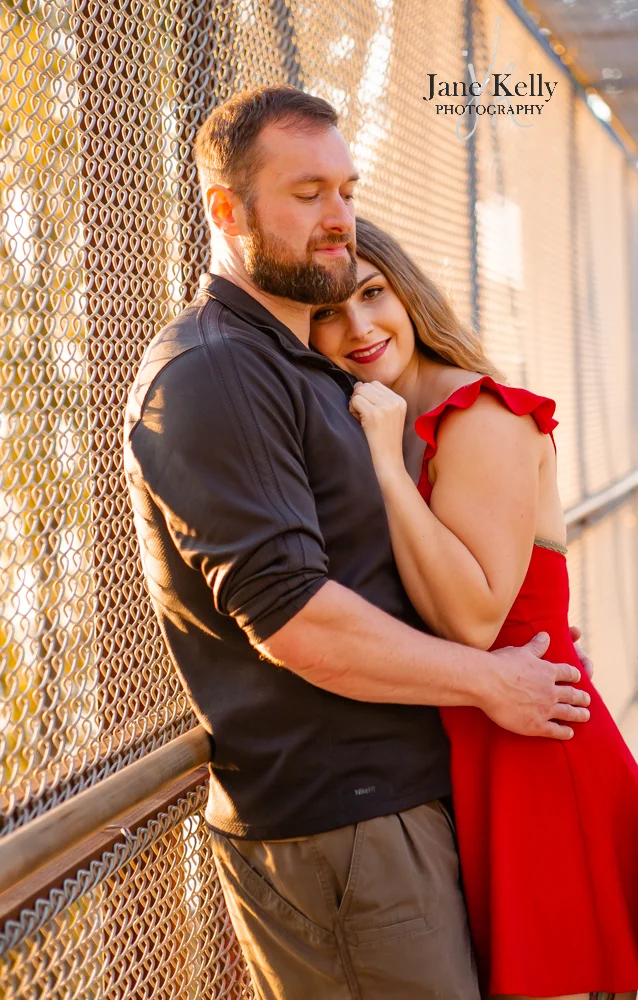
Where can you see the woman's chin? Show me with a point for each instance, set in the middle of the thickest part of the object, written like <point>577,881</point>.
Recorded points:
<point>367,373</point>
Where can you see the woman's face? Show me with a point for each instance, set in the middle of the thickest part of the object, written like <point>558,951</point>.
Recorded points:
<point>370,335</point>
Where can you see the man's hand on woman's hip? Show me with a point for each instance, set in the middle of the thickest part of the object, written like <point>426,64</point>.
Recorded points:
<point>531,696</point>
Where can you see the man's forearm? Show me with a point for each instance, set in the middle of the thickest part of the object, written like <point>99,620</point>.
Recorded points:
<point>342,643</point>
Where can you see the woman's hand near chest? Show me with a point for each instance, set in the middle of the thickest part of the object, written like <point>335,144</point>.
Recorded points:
<point>381,413</point>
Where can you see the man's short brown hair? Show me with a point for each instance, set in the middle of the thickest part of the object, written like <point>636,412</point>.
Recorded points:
<point>225,147</point>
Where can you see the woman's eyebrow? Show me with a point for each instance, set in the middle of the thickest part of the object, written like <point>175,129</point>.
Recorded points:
<point>375,274</point>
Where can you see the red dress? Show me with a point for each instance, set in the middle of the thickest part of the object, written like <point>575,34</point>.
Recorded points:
<point>547,830</point>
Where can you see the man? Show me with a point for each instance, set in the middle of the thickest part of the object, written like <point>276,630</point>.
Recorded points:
<point>267,555</point>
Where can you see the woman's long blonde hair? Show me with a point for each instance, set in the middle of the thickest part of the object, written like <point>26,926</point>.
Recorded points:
<point>439,333</point>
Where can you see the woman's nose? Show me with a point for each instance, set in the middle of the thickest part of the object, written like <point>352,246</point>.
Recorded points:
<point>359,326</point>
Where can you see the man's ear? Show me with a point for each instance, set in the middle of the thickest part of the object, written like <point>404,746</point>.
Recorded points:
<point>225,210</point>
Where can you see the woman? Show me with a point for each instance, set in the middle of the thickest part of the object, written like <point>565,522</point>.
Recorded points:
<point>547,829</point>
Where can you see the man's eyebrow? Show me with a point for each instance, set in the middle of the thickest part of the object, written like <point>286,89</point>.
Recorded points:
<point>314,179</point>
<point>375,274</point>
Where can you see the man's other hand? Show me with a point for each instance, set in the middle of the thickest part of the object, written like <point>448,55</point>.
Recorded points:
<point>587,664</point>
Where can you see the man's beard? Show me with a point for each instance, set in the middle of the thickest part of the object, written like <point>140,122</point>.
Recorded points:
<point>268,264</point>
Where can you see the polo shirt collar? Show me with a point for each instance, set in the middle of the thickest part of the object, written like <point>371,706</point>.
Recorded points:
<point>249,309</point>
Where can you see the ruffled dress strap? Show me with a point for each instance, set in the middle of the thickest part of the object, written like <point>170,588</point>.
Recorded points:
<point>519,401</point>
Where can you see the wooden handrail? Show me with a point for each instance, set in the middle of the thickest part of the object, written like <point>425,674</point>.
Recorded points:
<point>54,873</point>
<point>44,838</point>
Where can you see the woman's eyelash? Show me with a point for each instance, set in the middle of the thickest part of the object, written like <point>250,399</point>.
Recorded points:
<point>325,313</point>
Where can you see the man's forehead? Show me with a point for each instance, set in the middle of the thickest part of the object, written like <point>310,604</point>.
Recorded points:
<point>306,155</point>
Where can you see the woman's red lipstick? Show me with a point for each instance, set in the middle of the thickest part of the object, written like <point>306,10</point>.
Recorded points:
<point>368,358</point>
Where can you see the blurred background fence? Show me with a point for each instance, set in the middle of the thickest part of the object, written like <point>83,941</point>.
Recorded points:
<point>534,232</point>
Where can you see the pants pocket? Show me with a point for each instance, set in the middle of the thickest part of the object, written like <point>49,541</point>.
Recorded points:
<point>394,884</point>
<point>405,923</point>
<point>375,936</point>
<point>239,877</point>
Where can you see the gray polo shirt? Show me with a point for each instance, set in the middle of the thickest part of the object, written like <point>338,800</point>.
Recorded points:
<point>252,485</point>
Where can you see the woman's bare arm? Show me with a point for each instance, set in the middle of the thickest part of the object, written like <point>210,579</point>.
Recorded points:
<point>463,560</point>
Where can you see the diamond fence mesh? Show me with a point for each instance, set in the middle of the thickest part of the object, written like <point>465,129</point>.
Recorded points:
<point>146,920</point>
<point>102,238</point>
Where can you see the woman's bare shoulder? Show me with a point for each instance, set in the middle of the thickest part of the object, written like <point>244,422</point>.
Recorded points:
<point>452,378</point>
<point>487,425</point>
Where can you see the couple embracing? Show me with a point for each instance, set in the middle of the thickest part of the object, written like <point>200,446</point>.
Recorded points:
<point>352,536</point>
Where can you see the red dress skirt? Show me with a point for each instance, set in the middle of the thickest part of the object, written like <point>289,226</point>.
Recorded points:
<point>547,830</point>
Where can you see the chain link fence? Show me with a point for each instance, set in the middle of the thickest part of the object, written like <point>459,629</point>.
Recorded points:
<point>102,238</point>
<point>146,920</point>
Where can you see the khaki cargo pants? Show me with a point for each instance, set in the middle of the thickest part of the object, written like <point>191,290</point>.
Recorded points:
<point>372,911</point>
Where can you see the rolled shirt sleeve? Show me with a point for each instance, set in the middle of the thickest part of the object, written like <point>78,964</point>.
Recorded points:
<point>219,446</point>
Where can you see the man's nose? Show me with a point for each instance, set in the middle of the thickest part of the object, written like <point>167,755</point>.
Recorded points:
<point>339,216</point>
